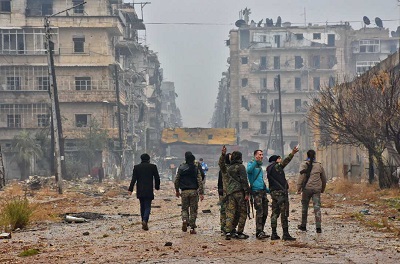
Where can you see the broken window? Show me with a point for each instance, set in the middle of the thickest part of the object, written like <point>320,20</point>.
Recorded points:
<point>331,40</point>
<point>13,83</point>
<point>244,60</point>
<point>297,83</point>
<point>13,120</point>
<point>244,82</point>
<point>43,83</point>
<point>263,83</point>
<point>245,125</point>
<point>277,62</point>
<point>47,9</point>
<point>263,127</point>
<point>263,105</point>
<point>298,62</point>
<point>83,83</point>
<point>331,61</point>
<point>277,39</point>
<point>210,136</point>
<point>317,84</point>
<point>316,61</point>
<point>332,81</point>
<point>299,36</point>
<point>43,120</point>
<point>370,46</point>
<point>5,6</point>
<point>79,44</point>
<point>78,9</point>
<point>297,105</point>
<point>245,103</point>
<point>82,120</point>
<point>263,63</point>
<point>316,35</point>
<point>276,83</point>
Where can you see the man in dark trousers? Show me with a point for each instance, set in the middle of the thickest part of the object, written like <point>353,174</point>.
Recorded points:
<point>145,174</point>
<point>101,173</point>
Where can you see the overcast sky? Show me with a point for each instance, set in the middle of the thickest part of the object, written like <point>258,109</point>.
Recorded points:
<point>194,56</point>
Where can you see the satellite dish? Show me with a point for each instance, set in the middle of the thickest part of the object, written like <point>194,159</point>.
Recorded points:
<point>240,23</point>
<point>366,20</point>
<point>378,22</point>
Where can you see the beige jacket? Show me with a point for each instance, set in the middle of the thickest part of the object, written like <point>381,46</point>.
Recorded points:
<point>317,180</point>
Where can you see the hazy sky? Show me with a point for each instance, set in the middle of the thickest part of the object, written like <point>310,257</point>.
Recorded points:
<point>194,56</point>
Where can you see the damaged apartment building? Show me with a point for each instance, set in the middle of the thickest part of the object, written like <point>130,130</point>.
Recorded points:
<point>106,80</point>
<point>297,59</point>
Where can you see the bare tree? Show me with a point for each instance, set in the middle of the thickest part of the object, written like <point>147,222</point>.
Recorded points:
<point>359,113</point>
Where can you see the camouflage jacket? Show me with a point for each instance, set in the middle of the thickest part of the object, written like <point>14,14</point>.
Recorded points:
<point>237,179</point>
<point>223,168</point>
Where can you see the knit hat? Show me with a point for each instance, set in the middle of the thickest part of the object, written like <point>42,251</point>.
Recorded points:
<point>274,158</point>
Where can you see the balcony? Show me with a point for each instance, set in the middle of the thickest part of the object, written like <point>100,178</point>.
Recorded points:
<point>110,23</point>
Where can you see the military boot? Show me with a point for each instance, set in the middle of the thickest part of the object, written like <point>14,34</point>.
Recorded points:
<point>274,235</point>
<point>286,236</point>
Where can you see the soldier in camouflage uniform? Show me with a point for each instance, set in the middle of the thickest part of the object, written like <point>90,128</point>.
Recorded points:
<point>311,183</point>
<point>279,192</point>
<point>188,180</point>
<point>224,161</point>
<point>237,191</point>
<point>258,192</point>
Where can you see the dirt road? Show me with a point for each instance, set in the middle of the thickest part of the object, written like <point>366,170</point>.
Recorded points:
<point>118,237</point>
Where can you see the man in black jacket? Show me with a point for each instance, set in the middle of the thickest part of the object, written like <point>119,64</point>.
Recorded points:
<point>145,174</point>
<point>188,180</point>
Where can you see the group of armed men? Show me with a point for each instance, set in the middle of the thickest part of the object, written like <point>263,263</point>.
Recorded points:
<point>239,188</point>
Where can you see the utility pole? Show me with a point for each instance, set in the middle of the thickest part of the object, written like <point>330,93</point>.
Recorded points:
<point>55,108</point>
<point>121,148</point>
<point>56,122</point>
<point>280,114</point>
<point>2,172</point>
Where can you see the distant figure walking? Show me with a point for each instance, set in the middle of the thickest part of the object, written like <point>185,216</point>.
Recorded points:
<point>204,167</point>
<point>311,184</point>
<point>146,175</point>
<point>100,173</point>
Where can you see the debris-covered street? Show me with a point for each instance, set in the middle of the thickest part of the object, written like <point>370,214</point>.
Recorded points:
<point>357,228</point>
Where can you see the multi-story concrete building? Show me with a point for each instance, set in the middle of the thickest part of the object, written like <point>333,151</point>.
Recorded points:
<point>100,68</point>
<point>298,60</point>
<point>170,112</point>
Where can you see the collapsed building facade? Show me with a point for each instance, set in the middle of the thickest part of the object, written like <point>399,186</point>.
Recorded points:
<point>269,61</point>
<point>106,79</point>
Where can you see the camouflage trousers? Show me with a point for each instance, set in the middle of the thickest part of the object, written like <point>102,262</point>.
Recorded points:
<point>236,212</point>
<point>261,207</point>
<point>306,196</point>
<point>280,206</point>
<point>190,203</point>
<point>222,214</point>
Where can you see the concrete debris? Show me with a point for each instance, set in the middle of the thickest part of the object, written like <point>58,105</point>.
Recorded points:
<point>5,236</point>
<point>37,182</point>
<point>73,219</point>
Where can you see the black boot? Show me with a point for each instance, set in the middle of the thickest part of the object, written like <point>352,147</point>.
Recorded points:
<point>286,236</point>
<point>274,235</point>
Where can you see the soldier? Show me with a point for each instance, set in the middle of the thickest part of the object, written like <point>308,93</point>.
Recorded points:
<point>259,192</point>
<point>237,191</point>
<point>311,183</point>
<point>188,180</point>
<point>223,162</point>
<point>279,193</point>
